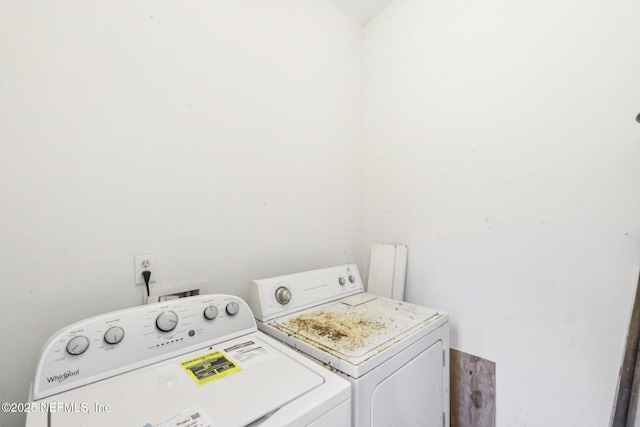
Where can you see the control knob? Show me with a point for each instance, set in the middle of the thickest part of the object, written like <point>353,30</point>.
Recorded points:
<point>167,321</point>
<point>77,345</point>
<point>283,295</point>
<point>232,308</point>
<point>114,335</point>
<point>211,312</point>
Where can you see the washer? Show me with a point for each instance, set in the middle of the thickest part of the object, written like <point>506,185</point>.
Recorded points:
<point>193,362</point>
<point>395,354</point>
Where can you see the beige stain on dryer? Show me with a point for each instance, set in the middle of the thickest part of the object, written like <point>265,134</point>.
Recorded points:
<point>346,331</point>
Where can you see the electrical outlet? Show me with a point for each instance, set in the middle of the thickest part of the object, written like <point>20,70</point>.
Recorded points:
<point>145,263</point>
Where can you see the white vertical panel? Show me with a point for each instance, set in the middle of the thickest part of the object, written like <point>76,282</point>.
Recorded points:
<point>387,270</point>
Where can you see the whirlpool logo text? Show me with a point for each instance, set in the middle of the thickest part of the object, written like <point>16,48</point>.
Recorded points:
<point>62,377</point>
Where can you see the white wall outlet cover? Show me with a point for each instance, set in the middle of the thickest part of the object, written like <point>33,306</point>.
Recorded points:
<point>145,262</point>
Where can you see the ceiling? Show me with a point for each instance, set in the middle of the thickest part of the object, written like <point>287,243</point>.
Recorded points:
<point>362,11</point>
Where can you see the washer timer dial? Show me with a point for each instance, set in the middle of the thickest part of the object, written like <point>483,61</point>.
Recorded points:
<point>211,312</point>
<point>167,321</point>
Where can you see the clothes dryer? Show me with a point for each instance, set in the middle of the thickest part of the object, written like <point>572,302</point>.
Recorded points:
<point>395,354</point>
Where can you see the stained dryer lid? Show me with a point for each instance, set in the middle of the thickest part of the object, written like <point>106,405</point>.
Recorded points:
<point>357,328</point>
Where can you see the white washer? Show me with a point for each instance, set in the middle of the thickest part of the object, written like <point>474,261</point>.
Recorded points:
<point>192,362</point>
<point>395,354</point>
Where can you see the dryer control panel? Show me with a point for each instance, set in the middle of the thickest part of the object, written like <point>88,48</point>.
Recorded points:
<point>120,341</point>
<point>282,295</point>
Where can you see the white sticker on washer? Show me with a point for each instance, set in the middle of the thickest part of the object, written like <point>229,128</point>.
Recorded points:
<point>247,351</point>
<point>193,417</point>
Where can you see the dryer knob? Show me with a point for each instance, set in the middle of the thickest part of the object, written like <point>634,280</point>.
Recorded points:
<point>232,308</point>
<point>114,335</point>
<point>341,281</point>
<point>167,321</point>
<point>352,278</point>
<point>77,345</point>
<point>283,295</point>
<point>211,312</point>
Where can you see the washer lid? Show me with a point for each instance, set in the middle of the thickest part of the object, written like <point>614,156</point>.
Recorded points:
<point>356,328</point>
<point>262,379</point>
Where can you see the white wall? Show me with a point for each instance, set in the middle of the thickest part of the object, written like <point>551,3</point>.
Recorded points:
<point>501,146</point>
<point>219,135</point>
<point>224,136</point>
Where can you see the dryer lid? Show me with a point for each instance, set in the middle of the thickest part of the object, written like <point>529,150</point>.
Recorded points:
<point>357,327</point>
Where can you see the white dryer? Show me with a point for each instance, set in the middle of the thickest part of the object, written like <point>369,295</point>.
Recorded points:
<point>192,362</point>
<point>395,354</point>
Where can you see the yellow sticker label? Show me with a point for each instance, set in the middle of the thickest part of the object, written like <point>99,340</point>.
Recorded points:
<point>210,367</point>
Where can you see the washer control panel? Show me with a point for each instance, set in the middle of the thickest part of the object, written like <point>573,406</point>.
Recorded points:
<point>282,295</point>
<point>120,341</point>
